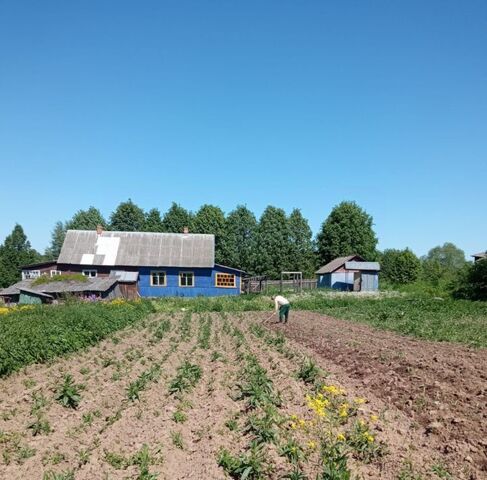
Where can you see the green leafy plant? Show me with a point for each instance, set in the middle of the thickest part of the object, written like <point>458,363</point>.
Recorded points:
<point>250,465</point>
<point>68,393</point>
<point>308,371</point>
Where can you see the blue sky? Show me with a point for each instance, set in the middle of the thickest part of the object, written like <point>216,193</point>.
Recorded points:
<point>295,104</point>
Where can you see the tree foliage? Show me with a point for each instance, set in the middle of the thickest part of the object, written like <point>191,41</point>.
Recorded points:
<point>471,281</point>
<point>347,230</point>
<point>57,238</point>
<point>15,252</point>
<point>153,221</point>
<point>86,220</point>
<point>442,263</point>
<point>128,217</point>
<point>211,220</point>
<point>302,257</point>
<point>400,266</point>
<point>241,226</point>
<point>176,218</point>
<point>272,252</point>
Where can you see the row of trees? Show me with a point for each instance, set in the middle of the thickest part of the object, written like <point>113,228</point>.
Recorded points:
<point>264,246</point>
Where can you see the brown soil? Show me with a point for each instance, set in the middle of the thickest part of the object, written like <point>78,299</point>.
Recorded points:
<point>430,399</point>
<point>441,388</point>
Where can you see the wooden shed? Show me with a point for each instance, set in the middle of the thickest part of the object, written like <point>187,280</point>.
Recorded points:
<point>350,273</point>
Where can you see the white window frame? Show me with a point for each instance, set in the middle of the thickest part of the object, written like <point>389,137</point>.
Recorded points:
<point>180,276</point>
<point>54,273</point>
<point>89,273</point>
<point>153,272</point>
<point>30,274</point>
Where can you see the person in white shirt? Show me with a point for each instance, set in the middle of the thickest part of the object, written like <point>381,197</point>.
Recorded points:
<point>282,306</point>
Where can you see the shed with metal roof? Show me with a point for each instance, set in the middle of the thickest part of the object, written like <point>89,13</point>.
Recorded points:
<point>349,273</point>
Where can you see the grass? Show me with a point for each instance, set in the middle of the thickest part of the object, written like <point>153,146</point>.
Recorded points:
<point>74,277</point>
<point>38,334</point>
<point>422,316</point>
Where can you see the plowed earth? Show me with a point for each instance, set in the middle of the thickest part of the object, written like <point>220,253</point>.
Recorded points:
<point>441,388</point>
<point>430,399</point>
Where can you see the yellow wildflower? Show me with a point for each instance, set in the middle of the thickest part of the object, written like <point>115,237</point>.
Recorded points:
<point>293,417</point>
<point>294,426</point>
<point>301,423</point>
<point>369,437</point>
<point>361,422</point>
<point>343,410</point>
<point>374,418</point>
<point>333,390</point>
<point>311,445</point>
<point>341,437</point>
<point>359,400</point>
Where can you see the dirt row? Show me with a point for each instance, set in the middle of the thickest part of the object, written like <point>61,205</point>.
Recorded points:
<point>440,388</point>
<point>108,434</point>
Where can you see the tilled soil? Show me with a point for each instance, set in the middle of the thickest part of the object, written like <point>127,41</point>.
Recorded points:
<point>430,399</point>
<point>441,388</point>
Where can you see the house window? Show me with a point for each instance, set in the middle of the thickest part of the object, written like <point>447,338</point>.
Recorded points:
<point>158,279</point>
<point>186,279</point>
<point>29,274</point>
<point>55,272</point>
<point>225,280</point>
<point>90,273</point>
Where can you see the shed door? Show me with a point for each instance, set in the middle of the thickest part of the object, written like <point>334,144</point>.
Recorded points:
<point>357,280</point>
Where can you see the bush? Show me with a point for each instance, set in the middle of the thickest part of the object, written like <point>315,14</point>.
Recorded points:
<point>400,266</point>
<point>471,283</point>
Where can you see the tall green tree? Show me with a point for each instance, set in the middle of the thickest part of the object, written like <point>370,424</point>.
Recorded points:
<point>241,226</point>
<point>211,220</point>
<point>442,263</point>
<point>153,221</point>
<point>127,217</point>
<point>272,251</point>
<point>57,240</point>
<point>400,266</point>
<point>176,218</point>
<point>347,230</point>
<point>86,220</point>
<point>15,252</point>
<point>302,257</point>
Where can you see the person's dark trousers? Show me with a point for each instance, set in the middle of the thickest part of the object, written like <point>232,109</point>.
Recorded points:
<point>284,313</point>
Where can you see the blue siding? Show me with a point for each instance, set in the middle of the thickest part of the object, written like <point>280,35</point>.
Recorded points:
<point>344,281</point>
<point>204,283</point>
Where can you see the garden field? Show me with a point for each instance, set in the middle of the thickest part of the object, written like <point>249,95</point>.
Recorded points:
<point>215,395</point>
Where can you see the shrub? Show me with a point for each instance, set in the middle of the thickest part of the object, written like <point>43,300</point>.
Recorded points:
<point>400,266</point>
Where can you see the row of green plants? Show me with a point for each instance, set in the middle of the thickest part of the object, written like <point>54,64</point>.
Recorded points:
<point>41,333</point>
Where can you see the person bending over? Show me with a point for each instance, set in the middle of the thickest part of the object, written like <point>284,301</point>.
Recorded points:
<point>282,306</point>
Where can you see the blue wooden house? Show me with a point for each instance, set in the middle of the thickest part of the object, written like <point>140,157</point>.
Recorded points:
<point>349,273</point>
<point>150,264</point>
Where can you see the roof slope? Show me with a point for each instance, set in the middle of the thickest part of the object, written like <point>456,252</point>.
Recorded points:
<point>138,249</point>
<point>337,263</point>
<point>97,284</point>
<point>373,266</point>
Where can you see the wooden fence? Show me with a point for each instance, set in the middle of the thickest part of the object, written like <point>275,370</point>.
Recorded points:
<point>262,284</point>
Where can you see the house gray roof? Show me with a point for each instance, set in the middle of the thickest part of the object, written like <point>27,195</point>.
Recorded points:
<point>337,263</point>
<point>138,249</point>
<point>374,266</point>
<point>97,284</point>
<point>480,255</point>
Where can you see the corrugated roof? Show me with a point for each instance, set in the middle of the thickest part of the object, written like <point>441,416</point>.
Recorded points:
<point>375,266</point>
<point>97,284</point>
<point>137,249</point>
<point>337,263</point>
<point>35,292</point>
<point>124,276</point>
<point>479,255</point>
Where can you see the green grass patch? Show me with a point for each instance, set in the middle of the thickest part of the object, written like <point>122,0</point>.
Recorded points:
<point>74,277</point>
<point>44,332</point>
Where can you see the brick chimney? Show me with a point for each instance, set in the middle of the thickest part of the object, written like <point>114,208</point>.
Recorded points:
<point>185,230</point>
<point>99,229</point>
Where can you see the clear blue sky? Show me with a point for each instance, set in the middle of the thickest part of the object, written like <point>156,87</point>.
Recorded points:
<point>296,104</point>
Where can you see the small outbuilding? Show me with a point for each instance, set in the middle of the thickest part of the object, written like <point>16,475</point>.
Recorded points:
<point>479,256</point>
<point>351,273</point>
